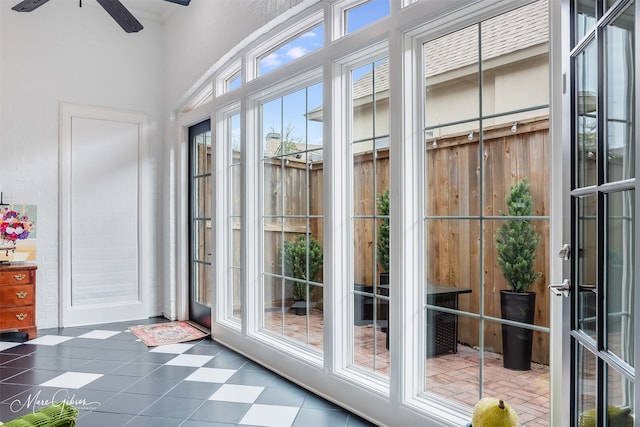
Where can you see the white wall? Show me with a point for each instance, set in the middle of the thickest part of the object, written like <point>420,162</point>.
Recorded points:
<point>195,39</point>
<point>197,36</point>
<point>63,53</point>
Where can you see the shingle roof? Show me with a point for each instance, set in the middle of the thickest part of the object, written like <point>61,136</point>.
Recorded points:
<point>510,32</point>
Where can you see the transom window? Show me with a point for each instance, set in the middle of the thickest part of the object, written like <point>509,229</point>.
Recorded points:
<point>365,13</point>
<point>292,49</point>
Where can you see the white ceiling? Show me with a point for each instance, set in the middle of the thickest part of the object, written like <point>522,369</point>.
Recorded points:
<point>157,8</point>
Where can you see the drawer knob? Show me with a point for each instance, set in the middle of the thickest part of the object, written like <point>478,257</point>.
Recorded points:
<point>21,295</point>
<point>21,316</point>
<point>19,276</point>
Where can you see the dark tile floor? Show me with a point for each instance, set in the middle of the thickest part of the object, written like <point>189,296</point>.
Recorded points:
<point>116,380</point>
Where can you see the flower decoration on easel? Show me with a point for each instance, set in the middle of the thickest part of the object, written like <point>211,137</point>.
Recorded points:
<point>14,225</point>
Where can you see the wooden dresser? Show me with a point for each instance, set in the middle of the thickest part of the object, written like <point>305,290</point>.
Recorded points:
<point>18,298</point>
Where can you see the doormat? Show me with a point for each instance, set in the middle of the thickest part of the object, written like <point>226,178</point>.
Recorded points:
<point>169,332</point>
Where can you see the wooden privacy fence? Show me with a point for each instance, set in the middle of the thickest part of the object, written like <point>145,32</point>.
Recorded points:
<point>460,217</point>
<point>461,249</point>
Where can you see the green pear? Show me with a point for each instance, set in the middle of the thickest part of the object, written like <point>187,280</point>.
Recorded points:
<point>617,417</point>
<point>492,412</point>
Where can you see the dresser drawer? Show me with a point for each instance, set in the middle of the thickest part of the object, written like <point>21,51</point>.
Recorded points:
<point>17,317</point>
<point>16,295</point>
<point>16,277</point>
<point>18,298</point>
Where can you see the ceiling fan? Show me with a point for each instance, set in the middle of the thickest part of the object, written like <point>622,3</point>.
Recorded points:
<point>118,12</point>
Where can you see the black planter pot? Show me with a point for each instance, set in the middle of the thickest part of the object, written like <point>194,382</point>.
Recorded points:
<point>363,305</point>
<point>517,342</point>
<point>383,314</point>
<point>299,307</point>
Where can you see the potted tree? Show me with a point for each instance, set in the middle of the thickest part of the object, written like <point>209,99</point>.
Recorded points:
<point>516,243</point>
<point>382,245</point>
<point>363,304</point>
<point>382,253</point>
<point>302,260</point>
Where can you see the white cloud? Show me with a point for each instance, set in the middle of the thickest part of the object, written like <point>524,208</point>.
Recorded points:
<point>308,34</point>
<point>296,52</point>
<point>271,60</point>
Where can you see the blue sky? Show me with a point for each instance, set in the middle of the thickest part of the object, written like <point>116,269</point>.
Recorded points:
<point>307,42</point>
<point>287,115</point>
<point>313,39</point>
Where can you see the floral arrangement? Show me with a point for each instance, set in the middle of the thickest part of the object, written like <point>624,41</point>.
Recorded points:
<point>14,225</point>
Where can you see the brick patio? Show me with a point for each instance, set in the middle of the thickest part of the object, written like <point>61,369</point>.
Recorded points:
<point>452,376</point>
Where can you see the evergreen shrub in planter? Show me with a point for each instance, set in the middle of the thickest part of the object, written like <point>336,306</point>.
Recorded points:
<point>296,254</point>
<point>382,254</point>
<point>516,243</point>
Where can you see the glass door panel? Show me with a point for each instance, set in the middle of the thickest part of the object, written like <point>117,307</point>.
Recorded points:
<point>620,395</point>
<point>587,117</point>
<point>603,222</point>
<point>200,203</point>
<point>619,65</point>
<point>585,17</point>
<point>586,260</point>
<point>619,276</point>
<point>586,386</point>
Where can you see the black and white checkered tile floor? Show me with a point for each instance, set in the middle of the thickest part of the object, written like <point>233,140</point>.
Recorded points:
<point>116,380</point>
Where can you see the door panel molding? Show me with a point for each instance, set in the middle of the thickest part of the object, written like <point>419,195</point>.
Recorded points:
<point>86,274</point>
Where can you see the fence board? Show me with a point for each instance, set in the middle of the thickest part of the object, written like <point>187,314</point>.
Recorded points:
<point>453,177</point>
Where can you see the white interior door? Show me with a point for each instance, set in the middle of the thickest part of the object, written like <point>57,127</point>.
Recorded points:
<point>100,216</point>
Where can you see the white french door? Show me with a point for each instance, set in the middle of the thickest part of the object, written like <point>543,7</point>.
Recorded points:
<point>601,329</point>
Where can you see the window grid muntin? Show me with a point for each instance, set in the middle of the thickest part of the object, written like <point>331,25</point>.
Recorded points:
<point>304,84</point>
<point>478,135</point>
<point>419,8</point>
<point>356,73</point>
<point>234,213</point>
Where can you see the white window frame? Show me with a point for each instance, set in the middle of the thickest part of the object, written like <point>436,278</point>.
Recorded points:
<point>412,156</point>
<point>200,99</point>
<point>226,76</point>
<point>399,400</point>
<point>256,241</point>
<point>342,275</point>
<point>222,211</point>
<point>339,14</point>
<point>273,43</point>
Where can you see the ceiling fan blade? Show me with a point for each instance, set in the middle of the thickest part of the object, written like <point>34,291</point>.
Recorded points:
<point>28,5</point>
<point>121,15</point>
<point>181,2</point>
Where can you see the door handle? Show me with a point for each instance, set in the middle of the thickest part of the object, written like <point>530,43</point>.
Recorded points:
<point>565,252</point>
<point>562,289</point>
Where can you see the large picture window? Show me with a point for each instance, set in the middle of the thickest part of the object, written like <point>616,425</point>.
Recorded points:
<point>486,208</point>
<point>371,189</point>
<point>370,177</point>
<point>292,221</point>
